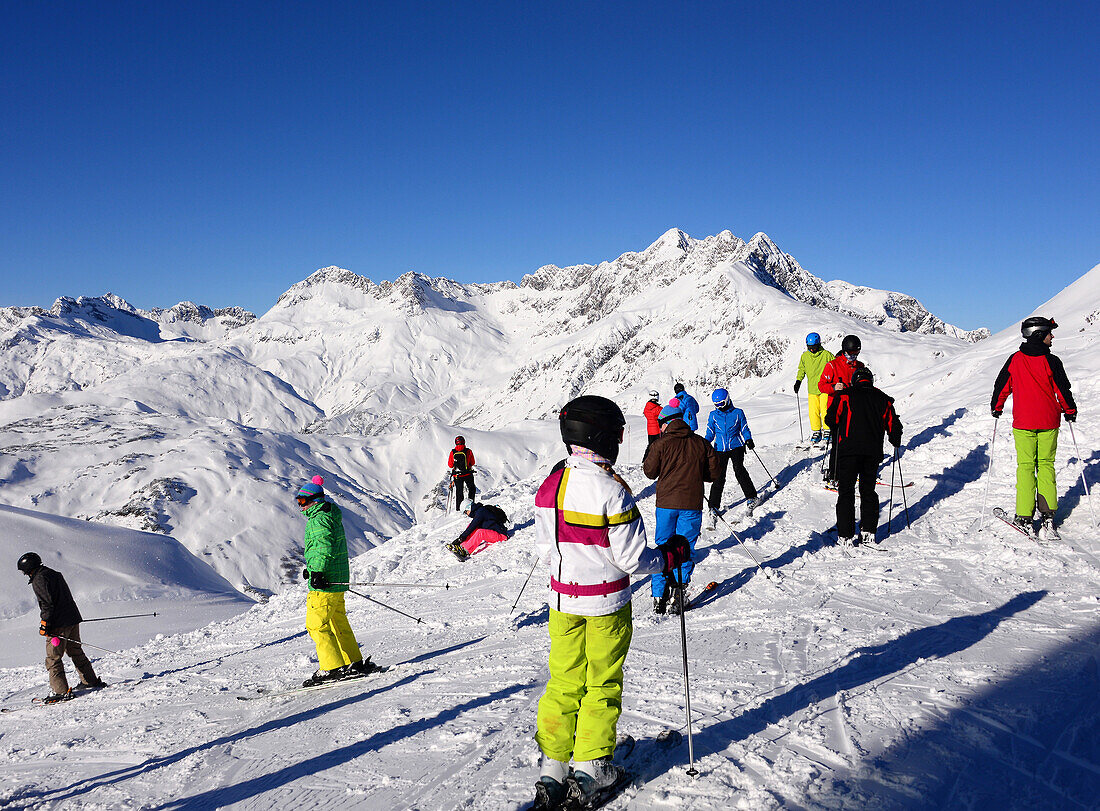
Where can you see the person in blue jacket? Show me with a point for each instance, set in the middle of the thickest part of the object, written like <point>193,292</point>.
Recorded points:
<point>728,431</point>
<point>689,405</point>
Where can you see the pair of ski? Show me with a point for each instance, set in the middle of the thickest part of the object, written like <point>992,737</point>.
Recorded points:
<point>625,746</point>
<point>267,692</point>
<point>832,489</point>
<point>1028,532</point>
<point>49,701</point>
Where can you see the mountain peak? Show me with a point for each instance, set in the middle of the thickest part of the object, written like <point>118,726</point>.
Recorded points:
<point>673,239</point>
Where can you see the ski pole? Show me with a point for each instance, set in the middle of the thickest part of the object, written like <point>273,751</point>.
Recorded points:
<point>390,607</point>
<point>525,582</point>
<point>123,617</point>
<point>57,640</point>
<point>1085,483</point>
<point>988,474</point>
<point>890,517</point>
<point>392,586</point>
<point>687,689</point>
<point>798,408</point>
<point>737,538</point>
<point>771,478</point>
<point>901,476</point>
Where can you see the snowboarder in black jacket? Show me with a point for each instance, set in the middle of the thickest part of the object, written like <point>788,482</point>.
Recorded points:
<point>61,621</point>
<point>860,416</point>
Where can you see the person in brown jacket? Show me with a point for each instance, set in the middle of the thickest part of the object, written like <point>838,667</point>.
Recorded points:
<point>681,461</point>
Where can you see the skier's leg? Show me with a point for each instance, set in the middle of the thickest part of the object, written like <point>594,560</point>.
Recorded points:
<point>1026,454</point>
<point>846,497</point>
<point>689,523</point>
<point>664,527</point>
<point>737,456</point>
<point>607,641</point>
<point>1046,449</point>
<point>559,705</point>
<point>719,484</point>
<point>480,538</point>
<point>813,405</point>
<point>81,662</point>
<point>319,606</point>
<point>868,496</point>
<point>55,667</point>
<point>341,629</point>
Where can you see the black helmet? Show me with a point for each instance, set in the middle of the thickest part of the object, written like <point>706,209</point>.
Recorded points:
<point>1037,325</point>
<point>679,387</point>
<point>29,562</point>
<point>459,440</point>
<point>593,422</point>
<point>851,344</point>
<point>863,375</point>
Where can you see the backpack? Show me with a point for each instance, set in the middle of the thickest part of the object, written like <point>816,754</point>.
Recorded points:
<point>460,465</point>
<point>497,513</point>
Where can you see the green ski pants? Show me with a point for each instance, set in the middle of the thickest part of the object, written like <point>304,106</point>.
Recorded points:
<point>580,709</point>
<point>1035,452</point>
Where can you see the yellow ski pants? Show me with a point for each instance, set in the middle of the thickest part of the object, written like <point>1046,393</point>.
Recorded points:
<point>583,700</point>
<point>327,623</point>
<point>817,405</point>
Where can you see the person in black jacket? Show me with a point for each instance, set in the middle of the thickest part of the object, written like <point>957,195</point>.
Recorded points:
<point>487,525</point>
<point>61,619</point>
<point>859,416</point>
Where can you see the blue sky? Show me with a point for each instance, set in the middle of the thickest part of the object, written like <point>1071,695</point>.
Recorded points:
<point>220,152</point>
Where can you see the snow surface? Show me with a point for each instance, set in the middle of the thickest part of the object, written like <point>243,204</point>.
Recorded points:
<point>956,669</point>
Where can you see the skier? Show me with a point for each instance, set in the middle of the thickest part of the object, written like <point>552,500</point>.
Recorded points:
<point>728,429</point>
<point>860,415</point>
<point>810,366</point>
<point>588,528</point>
<point>651,410</point>
<point>834,377</point>
<point>328,572</point>
<point>681,461</point>
<point>689,405</point>
<point>1040,393</point>
<point>461,462</point>
<point>61,619</point>
<point>487,525</point>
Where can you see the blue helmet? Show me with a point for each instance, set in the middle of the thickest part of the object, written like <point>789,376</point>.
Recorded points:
<point>813,339</point>
<point>720,398</point>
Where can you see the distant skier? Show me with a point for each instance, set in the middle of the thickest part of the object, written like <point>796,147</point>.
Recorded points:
<point>729,431</point>
<point>461,462</point>
<point>61,620</point>
<point>681,461</point>
<point>487,525</point>
<point>651,410</point>
<point>689,405</point>
<point>860,415</point>
<point>328,572</point>
<point>834,377</point>
<point>588,528</point>
<point>1040,393</point>
<point>810,366</point>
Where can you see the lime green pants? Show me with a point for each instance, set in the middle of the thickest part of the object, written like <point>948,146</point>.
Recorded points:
<point>327,623</point>
<point>580,709</point>
<point>1035,452</point>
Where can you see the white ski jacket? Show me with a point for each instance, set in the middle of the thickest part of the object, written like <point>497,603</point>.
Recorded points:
<point>588,528</point>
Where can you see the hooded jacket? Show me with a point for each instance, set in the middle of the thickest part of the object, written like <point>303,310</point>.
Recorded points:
<point>326,548</point>
<point>1039,387</point>
<point>55,601</point>
<point>681,461</point>
<point>728,428</point>
<point>589,529</point>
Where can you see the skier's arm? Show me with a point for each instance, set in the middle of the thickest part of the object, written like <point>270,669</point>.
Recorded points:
<point>627,537</point>
<point>825,382</point>
<point>713,466</point>
<point>801,367</point>
<point>1002,387</point>
<point>651,462</point>
<point>46,601</point>
<point>470,459</point>
<point>746,434</point>
<point>477,520</point>
<point>318,544</point>
<point>711,422</point>
<point>892,423</point>
<point>451,460</point>
<point>1061,384</point>
<point>831,412</point>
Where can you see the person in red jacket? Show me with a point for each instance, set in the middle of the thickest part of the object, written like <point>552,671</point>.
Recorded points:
<point>651,410</point>
<point>835,377</point>
<point>1040,393</point>
<point>461,462</point>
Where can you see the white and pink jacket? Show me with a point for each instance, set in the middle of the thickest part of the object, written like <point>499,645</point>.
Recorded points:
<point>588,528</point>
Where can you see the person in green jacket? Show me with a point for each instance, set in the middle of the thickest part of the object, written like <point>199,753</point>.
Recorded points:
<point>328,573</point>
<point>810,365</point>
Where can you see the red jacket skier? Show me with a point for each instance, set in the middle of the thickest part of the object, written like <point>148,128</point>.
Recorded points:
<point>651,410</point>
<point>461,462</point>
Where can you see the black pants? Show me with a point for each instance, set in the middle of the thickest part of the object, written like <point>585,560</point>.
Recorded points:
<point>737,457</point>
<point>848,469</point>
<point>463,482</point>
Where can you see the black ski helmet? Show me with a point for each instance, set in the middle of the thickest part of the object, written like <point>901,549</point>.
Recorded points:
<point>863,375</point>
<point>29,562</point>
<point>851,344</point>
<point>1037,325</point>
<point>593,422</point>
<point>679,387</point>
<point>459,440</point>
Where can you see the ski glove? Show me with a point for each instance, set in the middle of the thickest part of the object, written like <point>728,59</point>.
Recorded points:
<point>675,552</point>
<point>750,444</point>
<point>797,384</point>
<point>317,580</point>
<point>305,574</point>
<point>996,414</point>
<point>43,630</point>
<point>1071,417</point>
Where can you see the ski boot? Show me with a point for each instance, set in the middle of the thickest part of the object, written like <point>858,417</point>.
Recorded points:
<point>845,541</point>
<point>458,550</point>
<point>98,684</point>
<point>815,437</point>
<point>712,519</point>
<point>593,782</point>
<point>1025,524</point>
<point>660,604</point>
<point>549,795</point>
<point>866,537</point>
<point>676,604</point>
<point>752,504</point>
<point>1047,530</point>
<point>364,667</point>
<point>325,676</point>
<point>55,698</point>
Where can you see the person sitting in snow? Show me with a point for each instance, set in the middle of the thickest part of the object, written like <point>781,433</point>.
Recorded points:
<point>588,529</point>
<point>61,622</point>
<point>487,525</point>
<point>328,572</point>
<point>461,462</point>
